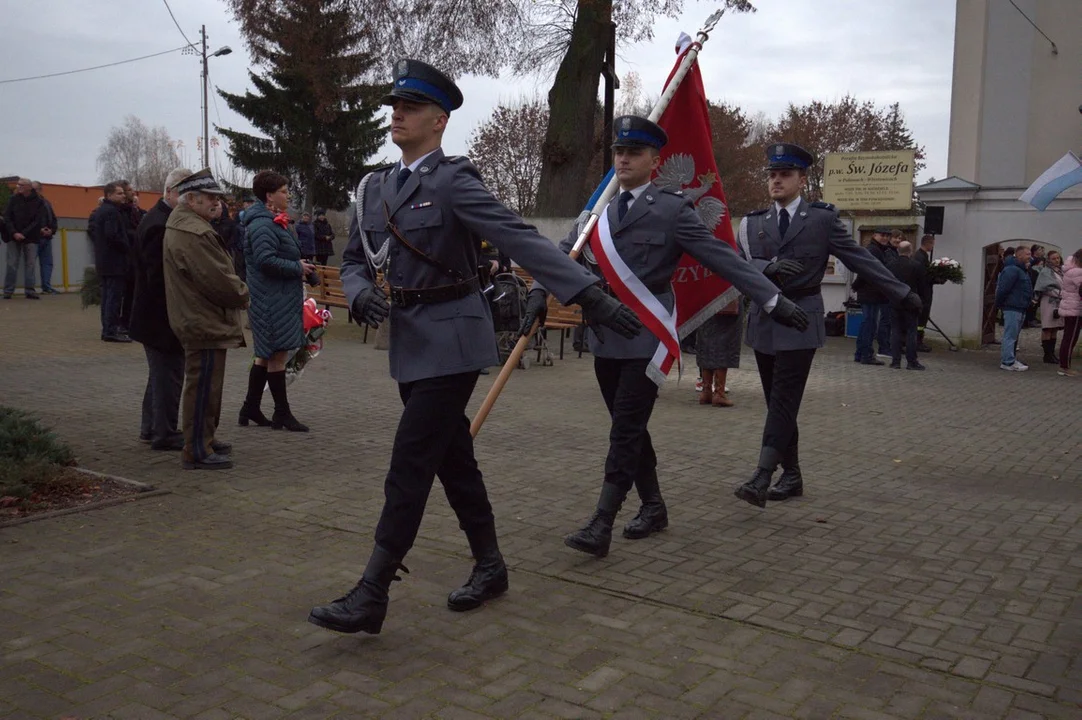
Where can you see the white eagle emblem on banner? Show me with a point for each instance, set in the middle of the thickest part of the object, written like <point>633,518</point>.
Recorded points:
<point>677,173</point>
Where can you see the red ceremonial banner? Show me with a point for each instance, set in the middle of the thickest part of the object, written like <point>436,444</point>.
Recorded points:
<point>687,163</point>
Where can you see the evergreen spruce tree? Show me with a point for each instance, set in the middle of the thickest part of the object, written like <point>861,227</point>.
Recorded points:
<point>318,116</point>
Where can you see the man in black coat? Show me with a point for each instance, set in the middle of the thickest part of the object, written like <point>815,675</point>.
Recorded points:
<point>924,257</point>
<point>45,244</point>
<point>25,215</point>
<point>150,326</point>
<point>112,252</point>
<point>904,321</point>
<point>873,304</point>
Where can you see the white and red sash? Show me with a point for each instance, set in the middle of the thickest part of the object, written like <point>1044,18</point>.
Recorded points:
<point>631,291</point>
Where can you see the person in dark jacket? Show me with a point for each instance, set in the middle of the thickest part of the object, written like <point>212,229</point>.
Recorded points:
<point>306,236</point>
<point>924,257</point>
<point>135,216</point>
<point>112,256</point>
<point>150,325</point>
<point>903,322</point>
<point>45,244</point>
<point>1014,295</point>
<point>324,237</point>
<point>26,216</point>
<point>276,274</point>
<point>873,305</point>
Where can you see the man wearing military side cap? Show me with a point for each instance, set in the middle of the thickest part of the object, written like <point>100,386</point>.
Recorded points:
<point>791,242</point>
<point>420,222</point>
<point>651,229</point>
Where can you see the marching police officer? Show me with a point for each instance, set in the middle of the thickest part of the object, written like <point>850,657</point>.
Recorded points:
<point>791,242</point>
<point>420,222</point>
<point>651,229</point>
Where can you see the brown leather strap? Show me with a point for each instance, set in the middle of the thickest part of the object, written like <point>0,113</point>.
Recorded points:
<point>393,229</point>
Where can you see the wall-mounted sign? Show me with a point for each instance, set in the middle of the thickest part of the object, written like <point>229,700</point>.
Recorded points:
<point>869,180</point>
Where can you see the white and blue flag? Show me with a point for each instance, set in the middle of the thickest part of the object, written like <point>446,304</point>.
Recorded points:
<point>1067,171</point>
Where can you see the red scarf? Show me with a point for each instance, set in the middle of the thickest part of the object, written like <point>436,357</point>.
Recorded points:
<point>282,219</point>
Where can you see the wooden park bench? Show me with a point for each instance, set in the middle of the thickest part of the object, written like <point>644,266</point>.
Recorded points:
<point>562,318</point>
<point>330,293</point>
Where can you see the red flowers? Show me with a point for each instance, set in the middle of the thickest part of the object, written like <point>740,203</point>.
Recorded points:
<point>282,219</point>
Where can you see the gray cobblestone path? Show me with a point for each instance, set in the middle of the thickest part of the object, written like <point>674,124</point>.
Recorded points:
<point>932,570</point>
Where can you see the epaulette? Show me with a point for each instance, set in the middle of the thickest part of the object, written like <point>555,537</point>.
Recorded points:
<point>758,212</point>
<point>821,205</point>
<point>679,193</point>
<point>381,168</point>
<point>454,158</point>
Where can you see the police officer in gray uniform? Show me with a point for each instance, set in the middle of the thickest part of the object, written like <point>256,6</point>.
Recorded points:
<point>791,242</point>
<point>420,222</point>
<point>651,229</point>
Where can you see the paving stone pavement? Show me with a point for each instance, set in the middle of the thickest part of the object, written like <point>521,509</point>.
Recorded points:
<point>931,571</point>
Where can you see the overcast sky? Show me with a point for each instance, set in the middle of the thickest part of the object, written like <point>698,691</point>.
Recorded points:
<point>789,51</point>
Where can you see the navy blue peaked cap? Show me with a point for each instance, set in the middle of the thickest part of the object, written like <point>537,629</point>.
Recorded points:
<point>420,82</point>
<point>787,156</point>
<point>635,131</point>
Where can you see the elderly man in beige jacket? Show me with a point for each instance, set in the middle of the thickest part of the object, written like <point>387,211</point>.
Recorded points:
<point>205,300</point>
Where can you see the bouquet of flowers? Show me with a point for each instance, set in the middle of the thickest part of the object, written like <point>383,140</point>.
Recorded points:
<point>944,270</point>
<point>315,325</point>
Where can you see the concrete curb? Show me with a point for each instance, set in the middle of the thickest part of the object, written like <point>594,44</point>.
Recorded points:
<point>145,491</point>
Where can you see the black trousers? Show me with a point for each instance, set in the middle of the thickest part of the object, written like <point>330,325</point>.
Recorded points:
<point>903,330</point>
<point>925,313</point>
<point>161,399</point>
<point>784,376</point>
<point>433,439</point>
<point>629,396</point>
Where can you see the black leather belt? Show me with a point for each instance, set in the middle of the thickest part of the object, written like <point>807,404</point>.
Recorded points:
<point>656,290</point>
<point>404,297</point>
<point>796,293</point>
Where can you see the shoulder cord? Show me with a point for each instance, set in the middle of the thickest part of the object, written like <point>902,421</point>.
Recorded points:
<point>377,259</point>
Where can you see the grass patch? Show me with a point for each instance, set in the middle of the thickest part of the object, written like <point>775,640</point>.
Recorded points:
<point>33,460</point>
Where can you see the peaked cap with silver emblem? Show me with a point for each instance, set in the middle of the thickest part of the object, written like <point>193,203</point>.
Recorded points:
<point>635,131</point>
<point>202,181</point>
<point>420,82</point>
<point>787,156</point>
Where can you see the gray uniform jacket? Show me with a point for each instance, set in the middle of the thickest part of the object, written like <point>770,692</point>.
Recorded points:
<point>444,210</point>
<point>660,226</point>
<point>814,234</point>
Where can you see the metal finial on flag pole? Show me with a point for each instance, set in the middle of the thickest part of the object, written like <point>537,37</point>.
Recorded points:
<point>601,200</point>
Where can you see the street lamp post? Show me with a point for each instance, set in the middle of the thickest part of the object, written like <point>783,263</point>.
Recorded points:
<point>224,50</point>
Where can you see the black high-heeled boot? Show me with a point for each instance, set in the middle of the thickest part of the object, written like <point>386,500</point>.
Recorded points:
<point>249,411</point>
<point>282,417</point>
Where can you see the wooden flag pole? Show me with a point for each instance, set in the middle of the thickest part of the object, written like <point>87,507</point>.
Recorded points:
<point>584,235</point>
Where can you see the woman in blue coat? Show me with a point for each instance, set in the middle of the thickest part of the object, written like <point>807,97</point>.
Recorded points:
<point>276,275</point>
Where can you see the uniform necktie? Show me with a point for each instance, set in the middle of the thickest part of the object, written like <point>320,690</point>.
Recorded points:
<point>621,207</point>
<point>783,222</point>
<point>403,176</point>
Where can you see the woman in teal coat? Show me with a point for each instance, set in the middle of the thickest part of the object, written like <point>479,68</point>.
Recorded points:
<point>276,275</point>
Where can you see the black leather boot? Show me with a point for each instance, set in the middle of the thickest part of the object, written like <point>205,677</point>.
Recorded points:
<point>1049,347</point>
<point>652,516</point>
<point>754,490</point>
<point>249,411</point>
<point>363,608</point>
<point>791,482</point>
<point>595,537</point>
<point>282,417</point>
<point>488,579</point>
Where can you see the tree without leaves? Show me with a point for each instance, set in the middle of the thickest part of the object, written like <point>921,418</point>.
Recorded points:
<point>842,126</point>
<point>319,119</point>
<point>142,155</point>
<point>565,178</point>
<point>526,35</point>
<point>507,151</point>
